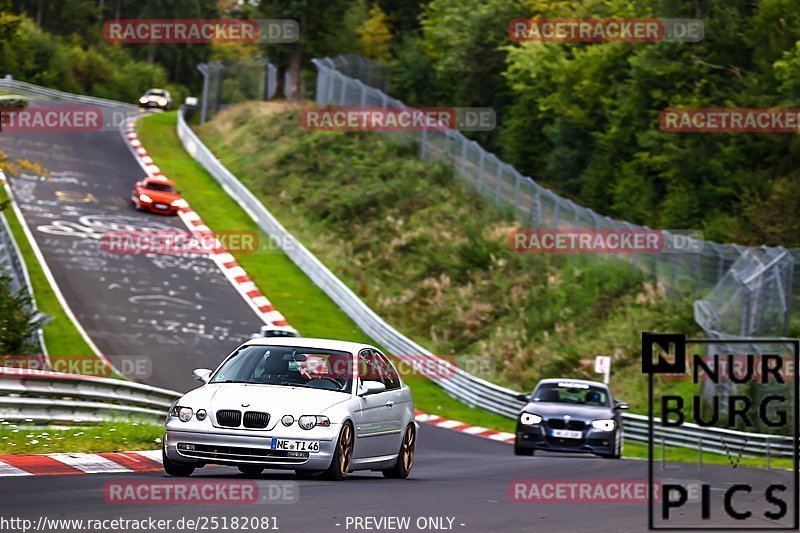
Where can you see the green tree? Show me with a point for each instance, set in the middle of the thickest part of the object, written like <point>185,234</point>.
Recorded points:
<point>18,323</point>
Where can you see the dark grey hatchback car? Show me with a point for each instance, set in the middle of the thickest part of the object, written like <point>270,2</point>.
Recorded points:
<point>570,415</point>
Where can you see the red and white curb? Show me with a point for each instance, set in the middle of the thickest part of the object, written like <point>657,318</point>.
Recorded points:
<point>53,464</point>
<point>455,425</point>
<point>220,255</point>
<point>56,464</point>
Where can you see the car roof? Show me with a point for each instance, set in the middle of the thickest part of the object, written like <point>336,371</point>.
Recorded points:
<point>570,380</point>
<point>306,342</point>
<point>158,179</point>
<point>268,327</point>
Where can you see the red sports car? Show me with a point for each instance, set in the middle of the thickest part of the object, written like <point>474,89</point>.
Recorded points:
<point>157,195</point>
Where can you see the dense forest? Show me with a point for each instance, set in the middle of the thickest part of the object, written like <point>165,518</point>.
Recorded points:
<point>580,118</point>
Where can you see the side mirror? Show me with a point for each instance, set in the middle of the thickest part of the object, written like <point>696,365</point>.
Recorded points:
<point>201,374</point>
<point>371,387</point>
<point>523,398</point>
<point>622,406</point>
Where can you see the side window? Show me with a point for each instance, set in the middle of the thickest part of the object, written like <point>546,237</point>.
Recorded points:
<point>368,369</point>
<point>390,377</point>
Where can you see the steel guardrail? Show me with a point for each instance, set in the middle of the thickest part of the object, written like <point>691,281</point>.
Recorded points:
<point>29,89</point>
<point>45,397</point>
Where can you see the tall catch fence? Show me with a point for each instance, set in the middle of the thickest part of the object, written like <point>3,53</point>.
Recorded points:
<point>761,297</point>
<point>235,81</point>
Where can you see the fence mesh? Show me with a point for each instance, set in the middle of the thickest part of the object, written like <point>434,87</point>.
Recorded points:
<point>767,298</point>
<point>234,81</point>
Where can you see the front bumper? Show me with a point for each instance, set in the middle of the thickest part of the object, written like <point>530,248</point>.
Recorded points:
<point>592,441</point>
<point>150,206</point>
<point>238,449</point>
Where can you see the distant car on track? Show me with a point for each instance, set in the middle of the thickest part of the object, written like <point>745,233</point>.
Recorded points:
<point>570,415</point>
<point>316,406</point>
<point>270,330</point>
<point>157,195</point>
<point>158,98</point>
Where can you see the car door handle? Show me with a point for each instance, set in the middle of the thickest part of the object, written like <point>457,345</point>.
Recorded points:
<point>390,404</point>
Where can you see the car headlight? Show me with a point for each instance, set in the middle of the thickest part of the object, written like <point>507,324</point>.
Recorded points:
<point>183,413</point>
<point>201,415</point>
<point>310,421</point>
<point>287,420</point>
<point>143,100</point>
<point>145,198</point>
<point>604,425</point>
<point>530,419</point>
<point>162,101</point>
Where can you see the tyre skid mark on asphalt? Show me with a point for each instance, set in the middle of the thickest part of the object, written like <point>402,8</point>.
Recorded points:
<point>221,256</point>
<point>150,460</point>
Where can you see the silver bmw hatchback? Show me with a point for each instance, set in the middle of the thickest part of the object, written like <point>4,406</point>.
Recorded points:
<point>316,406</point>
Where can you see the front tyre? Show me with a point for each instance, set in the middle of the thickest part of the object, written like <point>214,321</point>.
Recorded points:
<point>618,444</point>
<point>405,458</point>
<point>343,456</point>
<point>176,469</point>
<point>519,450</point>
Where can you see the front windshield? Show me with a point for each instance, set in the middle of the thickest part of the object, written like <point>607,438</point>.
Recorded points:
<point>163,187</point>
<point>288,366</point>
<point>572,393</point>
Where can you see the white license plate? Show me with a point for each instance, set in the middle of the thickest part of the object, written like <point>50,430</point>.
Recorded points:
<point>160,206</point>
<point>566,434</point>
<point>311,446</point>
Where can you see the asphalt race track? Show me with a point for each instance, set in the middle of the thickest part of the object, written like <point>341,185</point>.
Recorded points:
<point>455,476</point>
<point>183,313</point>
<point>180,312</point>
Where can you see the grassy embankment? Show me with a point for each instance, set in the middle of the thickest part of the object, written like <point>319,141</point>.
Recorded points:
<point>305,202</point>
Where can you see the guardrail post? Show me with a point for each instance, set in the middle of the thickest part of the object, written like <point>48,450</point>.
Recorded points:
<point>463,156</point>
<point>700,453</point>
<point>203,68</point>
<point>769,465</point>
<point>498,177</point>
<point>479,183</point>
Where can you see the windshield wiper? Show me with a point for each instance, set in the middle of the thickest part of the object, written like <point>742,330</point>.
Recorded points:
<point>294,384</point>
<point>233,381</point>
